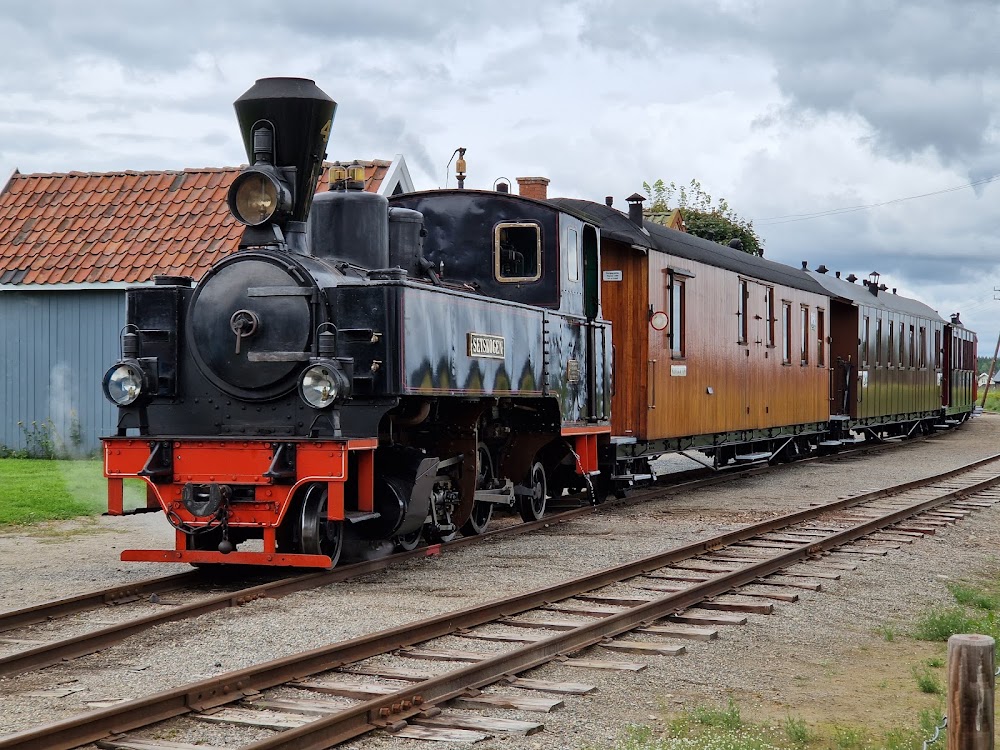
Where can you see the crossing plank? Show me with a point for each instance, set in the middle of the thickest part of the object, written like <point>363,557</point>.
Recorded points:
<point>443,654</point>
<point>693,634</point>
<point>699,618</point>
<point>388,673</point>
<point>640,647</point>
<point>503,637</point>
<point>549,686</point>
<point>466,720</point>
<point>544,624</point>
<point>614,666</point>
<point>619,600</point>
<point>440,734</point>
<point>300,706</point>
<point>533,703</point>
<point>727,605</point>
<point>249,717</point>
<point>357,691</point>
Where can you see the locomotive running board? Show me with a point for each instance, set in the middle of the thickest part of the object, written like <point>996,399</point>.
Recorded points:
<point>209,557</point>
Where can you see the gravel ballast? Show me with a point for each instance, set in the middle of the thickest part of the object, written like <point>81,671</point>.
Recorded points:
<point>785,663</point>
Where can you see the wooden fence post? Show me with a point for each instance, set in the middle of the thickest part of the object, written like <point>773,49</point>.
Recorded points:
<point>970,692</point>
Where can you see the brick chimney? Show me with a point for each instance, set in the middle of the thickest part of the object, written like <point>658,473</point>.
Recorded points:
<point>533,187</point>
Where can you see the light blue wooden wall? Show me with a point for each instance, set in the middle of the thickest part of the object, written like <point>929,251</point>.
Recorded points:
<point>55,347</point>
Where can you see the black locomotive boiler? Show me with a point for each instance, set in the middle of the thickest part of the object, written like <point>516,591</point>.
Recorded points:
<point>365,373</point>
<point>328,382</point>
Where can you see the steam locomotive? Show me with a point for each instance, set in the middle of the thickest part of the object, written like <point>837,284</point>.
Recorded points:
<point>364,373</point>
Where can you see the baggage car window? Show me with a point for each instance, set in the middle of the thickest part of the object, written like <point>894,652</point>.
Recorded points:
<point>820,337</point>
<point>771,318</point>
<point>676,317</point>
<point>786,332</point>
<point>804,348</point>
<point>517,251</point>
<point>741,313</point>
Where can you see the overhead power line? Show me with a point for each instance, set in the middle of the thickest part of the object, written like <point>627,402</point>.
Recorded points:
<point>790,218</point>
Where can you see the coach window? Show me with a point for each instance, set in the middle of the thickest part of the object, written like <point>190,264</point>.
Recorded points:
<point>892,343</point>
<point>937,350</point>
<point>769,306</point>
<point>786,332</point>
<point>865,341</point>
<point>912,348</point>
<point>820,337</point>
<point>902,345</point>
<point>742,312</point>
<point>676,317</point>
<point>804,348</point>
<point>878,342</point>
<point>572,251</point>
<point>517,251</point>
<point>922,361</point>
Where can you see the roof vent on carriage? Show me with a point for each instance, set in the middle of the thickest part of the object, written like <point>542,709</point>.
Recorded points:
<point>821,268</point>
<point>533,187</point>
<point>852,278</point>
<point>635,208</point>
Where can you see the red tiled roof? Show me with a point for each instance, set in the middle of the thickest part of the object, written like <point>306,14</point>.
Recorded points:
<point>85,227</point>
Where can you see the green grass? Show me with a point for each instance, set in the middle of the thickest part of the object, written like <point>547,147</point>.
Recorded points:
<point>927,682</point>
<point>33,490</point>
<point>992,400</point>
<point>707,728</point>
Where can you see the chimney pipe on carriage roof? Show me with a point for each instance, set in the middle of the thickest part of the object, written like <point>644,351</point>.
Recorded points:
<point>609,200</point>
<point>635,208</point>
<point>533,187</point>
<point>805,265</point>
<point>955,320</point>
<point>837,273</point>
<point>894,290</point>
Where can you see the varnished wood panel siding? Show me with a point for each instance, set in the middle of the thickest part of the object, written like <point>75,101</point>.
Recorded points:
<point>728,385</point>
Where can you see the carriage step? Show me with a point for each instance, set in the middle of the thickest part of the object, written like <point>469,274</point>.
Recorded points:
<point>749,457</point>
<point>357,516</point>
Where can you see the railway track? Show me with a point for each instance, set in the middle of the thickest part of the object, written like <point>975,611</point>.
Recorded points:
<point>40,655</point>
<point>320,698</point>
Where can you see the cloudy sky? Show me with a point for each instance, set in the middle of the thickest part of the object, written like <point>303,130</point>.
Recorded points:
<point>787,108</point>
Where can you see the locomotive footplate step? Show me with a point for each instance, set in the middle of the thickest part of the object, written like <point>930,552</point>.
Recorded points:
<point>356,516</point>
<point>750,457</point>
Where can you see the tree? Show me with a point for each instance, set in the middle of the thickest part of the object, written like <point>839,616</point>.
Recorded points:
<point>718,223</point>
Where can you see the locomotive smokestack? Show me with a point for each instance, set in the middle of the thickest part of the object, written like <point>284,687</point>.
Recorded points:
<point>286,122</point>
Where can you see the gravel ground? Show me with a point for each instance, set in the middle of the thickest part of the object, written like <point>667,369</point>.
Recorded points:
<point>820,656</point>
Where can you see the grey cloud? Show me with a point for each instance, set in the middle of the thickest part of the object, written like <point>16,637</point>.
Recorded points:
<point>916,71</point>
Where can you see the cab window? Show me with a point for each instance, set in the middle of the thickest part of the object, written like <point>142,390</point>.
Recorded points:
<point>517,251</point>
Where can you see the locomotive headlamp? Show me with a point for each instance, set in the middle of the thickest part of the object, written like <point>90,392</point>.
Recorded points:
<point>323,383</point>
<point>124,383</point>
<point>258,195</point>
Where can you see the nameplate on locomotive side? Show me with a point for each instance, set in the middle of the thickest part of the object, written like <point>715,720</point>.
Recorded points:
<point>485,345</point>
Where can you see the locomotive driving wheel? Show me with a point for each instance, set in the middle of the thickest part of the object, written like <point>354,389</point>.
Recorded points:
<point>482,512</point>
<point>532,507</point>
<point>317,534</point>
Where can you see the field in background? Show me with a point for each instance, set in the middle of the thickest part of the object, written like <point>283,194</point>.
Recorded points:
<point>33,490</point>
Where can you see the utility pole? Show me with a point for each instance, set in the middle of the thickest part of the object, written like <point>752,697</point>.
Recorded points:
<point>993,364</point>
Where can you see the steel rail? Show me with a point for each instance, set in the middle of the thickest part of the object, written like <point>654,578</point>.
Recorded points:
<point>20,618</point>
<point>225,688</point>
<point>13,619</point>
